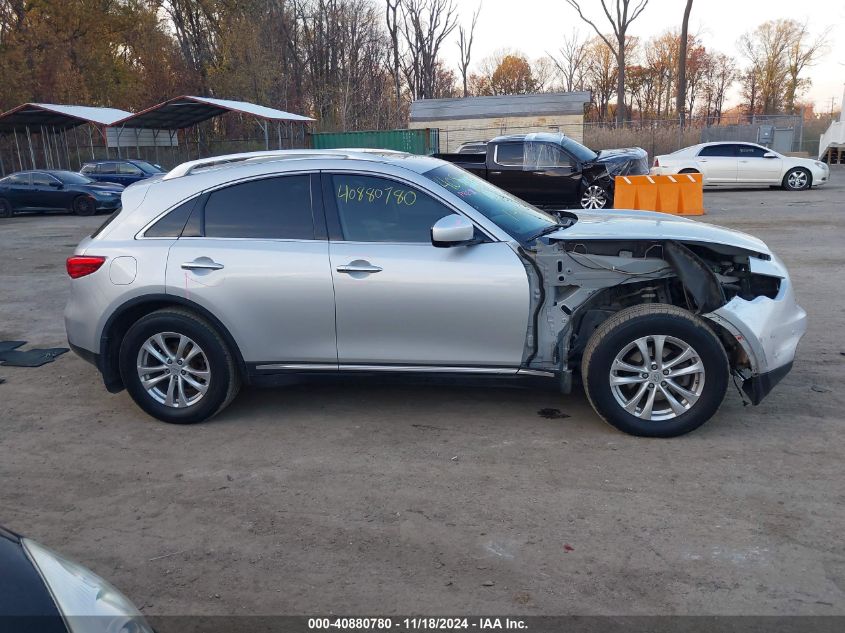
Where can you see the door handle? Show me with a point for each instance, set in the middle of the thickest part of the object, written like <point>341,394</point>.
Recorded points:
<point>202,263</point>
<point>495,173</point>
<point>359,268</point>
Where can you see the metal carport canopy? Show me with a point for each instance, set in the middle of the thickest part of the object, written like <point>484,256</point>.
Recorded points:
<point>182,112</point>
<point>63,117</point>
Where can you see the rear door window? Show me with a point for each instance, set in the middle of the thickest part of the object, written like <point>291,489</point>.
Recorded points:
<point>510,154</point>
<point>107,168</point>
<point>271,209</point>
<point>128,169</point>
<point>17,179</point>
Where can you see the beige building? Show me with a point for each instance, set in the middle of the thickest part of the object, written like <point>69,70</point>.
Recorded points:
<point>482,118</point>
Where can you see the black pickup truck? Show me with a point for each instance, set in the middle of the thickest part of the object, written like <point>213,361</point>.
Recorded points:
<point>552,171</point>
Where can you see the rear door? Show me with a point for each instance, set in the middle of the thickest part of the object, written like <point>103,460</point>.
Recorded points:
<point>107,172</point>
<point>129,173</point>
<point>253,256</point>
<point>718,163</point>
<point>753,168</point>
<point>506,169</point>
<point>18,191</point>
<point>403,304</point>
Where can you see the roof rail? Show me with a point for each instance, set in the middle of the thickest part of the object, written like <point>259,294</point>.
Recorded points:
<point>186,169</point>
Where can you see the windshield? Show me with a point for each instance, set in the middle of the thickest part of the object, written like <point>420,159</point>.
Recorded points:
<point>72,178</point>
<point>518,218</point>
<point>582,153</point>
<point>148,168</point>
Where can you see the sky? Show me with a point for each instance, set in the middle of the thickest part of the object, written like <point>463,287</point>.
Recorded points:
<point>536,27</point>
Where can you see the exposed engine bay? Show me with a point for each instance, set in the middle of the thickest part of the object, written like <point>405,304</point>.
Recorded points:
<point>581,283</point>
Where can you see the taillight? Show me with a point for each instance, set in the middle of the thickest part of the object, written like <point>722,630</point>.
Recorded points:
<point>656,162</point>
<point>79,266</point>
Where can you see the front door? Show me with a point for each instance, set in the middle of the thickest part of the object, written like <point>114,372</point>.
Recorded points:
<point>253,259</point>
<point>752,167</point>
<point>401,303</point>
<point>48,192</point>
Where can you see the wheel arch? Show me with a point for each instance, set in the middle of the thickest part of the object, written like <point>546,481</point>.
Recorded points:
<point>123,317</point>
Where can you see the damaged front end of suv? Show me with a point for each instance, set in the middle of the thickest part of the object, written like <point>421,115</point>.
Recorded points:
<point>587,274</point>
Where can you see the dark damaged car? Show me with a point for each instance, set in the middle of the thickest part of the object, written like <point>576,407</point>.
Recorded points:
<point>552,171</point>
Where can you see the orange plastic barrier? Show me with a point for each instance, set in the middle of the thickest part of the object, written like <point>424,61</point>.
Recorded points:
<point>680,194</point>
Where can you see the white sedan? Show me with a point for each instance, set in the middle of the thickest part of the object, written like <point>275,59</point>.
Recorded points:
<point>743,164</point>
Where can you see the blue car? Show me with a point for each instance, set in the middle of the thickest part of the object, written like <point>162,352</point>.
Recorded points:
<point>122,172</point>
<point>56,190</point>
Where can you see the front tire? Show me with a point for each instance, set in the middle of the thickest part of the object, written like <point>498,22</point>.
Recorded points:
<point>595,197</point>
<point>84,206</point>
<point>797,179</point>
<point>177,367</point>
<point>655,370</point>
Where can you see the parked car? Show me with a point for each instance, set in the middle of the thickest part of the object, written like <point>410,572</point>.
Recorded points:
<point>552,171</point>
<point>56,190</point>
<point>263,268</point>
<point>44,592</point>
<point>123,172</point>
<point>743,164</point>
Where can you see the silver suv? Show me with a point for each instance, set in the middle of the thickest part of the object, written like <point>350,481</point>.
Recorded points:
<point>262,268</point>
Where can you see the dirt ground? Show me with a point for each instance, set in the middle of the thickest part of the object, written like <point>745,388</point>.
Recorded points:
<point>360,499</point>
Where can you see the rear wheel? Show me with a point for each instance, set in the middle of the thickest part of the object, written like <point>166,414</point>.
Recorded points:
<point>797,179</point>
<point>177,368</point>
<point>595,197</point>
<point>5,208</point>
<point>84,206</point>
<point>655,370</point>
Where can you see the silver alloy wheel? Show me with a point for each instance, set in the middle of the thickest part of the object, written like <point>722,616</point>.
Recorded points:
<point>657,377</point>
<point>173,369</point>
<point>797,179</point>
<point>594,197</point>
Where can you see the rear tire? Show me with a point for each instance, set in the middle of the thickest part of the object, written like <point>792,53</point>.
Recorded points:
<point>84,206</point>
<point>177,367</point>
<point>655,370</point>
<point>797,179</point>
<point>5,208</point>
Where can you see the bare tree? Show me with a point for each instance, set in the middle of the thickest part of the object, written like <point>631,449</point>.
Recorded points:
<point>619,22</point>
<point>425,25</point>
<point>571,61</point>
<point>680,97</point>
<point>393,32</point>
<point>465,45</point>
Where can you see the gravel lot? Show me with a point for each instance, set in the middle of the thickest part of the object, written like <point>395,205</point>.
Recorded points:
<point>361,499</point>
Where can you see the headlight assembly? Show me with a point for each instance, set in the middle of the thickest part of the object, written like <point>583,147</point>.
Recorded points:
<point>88,603</point>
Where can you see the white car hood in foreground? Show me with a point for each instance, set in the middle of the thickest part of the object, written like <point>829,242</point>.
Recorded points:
<point>650,225</point>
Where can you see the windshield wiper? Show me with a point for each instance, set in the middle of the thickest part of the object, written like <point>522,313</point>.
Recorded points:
<point>546,231</point>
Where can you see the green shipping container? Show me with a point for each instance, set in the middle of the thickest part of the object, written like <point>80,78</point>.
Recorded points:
<point>423,141</point>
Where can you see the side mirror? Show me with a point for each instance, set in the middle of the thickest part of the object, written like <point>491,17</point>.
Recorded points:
<point>453,230</point>
<point>770,155</point>
<point>56,185</point>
